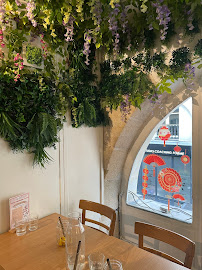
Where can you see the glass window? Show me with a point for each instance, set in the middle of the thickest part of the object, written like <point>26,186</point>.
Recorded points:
<point>161,177</point>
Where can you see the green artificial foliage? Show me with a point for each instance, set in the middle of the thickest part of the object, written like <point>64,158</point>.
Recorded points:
<point>198,48</point>
<point>180,58</point>
<point>29,117</point>
<point>64,69</point>
<point>33,55</point>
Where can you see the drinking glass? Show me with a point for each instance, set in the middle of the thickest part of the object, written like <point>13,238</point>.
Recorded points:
<point>115,265</point>
<point>21,227</point>
<point>75,233</point>
<point>33,223</point>
<point>96,261</point>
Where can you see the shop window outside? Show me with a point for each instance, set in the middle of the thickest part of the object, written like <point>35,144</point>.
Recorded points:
<point>168,184</point>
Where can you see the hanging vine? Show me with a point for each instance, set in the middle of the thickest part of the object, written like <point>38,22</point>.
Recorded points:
<point>48,62</point>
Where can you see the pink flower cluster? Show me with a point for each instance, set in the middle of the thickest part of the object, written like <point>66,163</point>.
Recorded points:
<point>44,46</point>
<point>30,8</point>
<point>1,39</point>
<point>18,62</point>
<point>2,10</point>
<point>18,3</point>
<point>69,29</point>
<point>2,43</point>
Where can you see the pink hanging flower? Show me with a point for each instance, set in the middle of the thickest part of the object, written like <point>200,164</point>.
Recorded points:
<point>30,9</point>
<point>44,46</point>
<point>19,65</point>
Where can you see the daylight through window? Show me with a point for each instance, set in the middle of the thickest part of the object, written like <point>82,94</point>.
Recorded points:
<point>161,177</point>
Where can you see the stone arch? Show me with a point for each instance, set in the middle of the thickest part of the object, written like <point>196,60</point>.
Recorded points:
<point>133,136</point>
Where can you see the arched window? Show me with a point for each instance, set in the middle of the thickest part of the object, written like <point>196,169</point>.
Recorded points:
<point>161,176</point>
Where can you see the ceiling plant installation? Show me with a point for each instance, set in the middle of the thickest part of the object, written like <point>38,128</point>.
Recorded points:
<point>50,62</point>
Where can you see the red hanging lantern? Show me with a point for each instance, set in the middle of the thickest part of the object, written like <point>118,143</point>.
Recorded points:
<point>177,148</point>
<point>164,134</point>
<point>154,159</point>
<point>185,159</point>
<point>146,171</point>
<point>144,184</point>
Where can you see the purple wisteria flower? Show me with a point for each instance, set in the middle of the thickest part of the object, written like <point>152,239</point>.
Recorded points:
<point>125,108</point>
<point>97,17</point>
<point>190,20</point>
<point>69,29</point>
<point>156,99</point>
<point>30,8</point>
<point>113,27</point>
<point>125,26</point>
<point>163,16</point>
<point>86,47</point>
<point>97,11</point>
<point>190,71</point>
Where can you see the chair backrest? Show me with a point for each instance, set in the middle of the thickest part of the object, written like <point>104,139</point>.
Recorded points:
<point>102,210</point>
<point>174,239</point>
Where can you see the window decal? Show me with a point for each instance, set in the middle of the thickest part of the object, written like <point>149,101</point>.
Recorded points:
<point>154,159</point>
<point>170,181</point>
<point>161,176</point>
<point>164,134</point>
<point>144,184</point>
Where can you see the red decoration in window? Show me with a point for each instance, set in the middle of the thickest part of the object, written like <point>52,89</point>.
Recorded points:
<point>154,159</point>
<point>170,181</point>
<point>185,159</point>
<point>177,148</point>
<point>144,184</point>
<point>144,192</point>
<point>144,177</point>
<point>146,171</point>
<point>164,134</point>
<point>178,197</point>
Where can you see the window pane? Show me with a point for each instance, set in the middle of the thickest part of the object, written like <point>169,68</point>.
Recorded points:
<point>163,184</point>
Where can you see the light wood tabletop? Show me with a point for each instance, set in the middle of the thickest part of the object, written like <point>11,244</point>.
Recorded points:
<point>38,250</point>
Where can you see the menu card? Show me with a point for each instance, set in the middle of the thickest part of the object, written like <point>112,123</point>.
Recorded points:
<point>19,208</point>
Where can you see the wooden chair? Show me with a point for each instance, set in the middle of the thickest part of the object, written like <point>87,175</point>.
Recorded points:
<point>102,210</point>
<point>174,239</point>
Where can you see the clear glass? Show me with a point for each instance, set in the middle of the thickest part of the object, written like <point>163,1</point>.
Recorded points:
<point>96,261</point>
<point>33,223</point>
<point>21,227</point>
<point>161,177</point>
<point>75,233</point>
<point>115,265</point>
<point>61,233</point>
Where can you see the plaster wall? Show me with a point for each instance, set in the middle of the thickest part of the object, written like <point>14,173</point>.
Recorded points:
<point>73,174</point>
<point>82,172</point>
<point>17,176</point>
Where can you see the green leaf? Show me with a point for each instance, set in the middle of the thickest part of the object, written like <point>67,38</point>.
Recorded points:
<point>155,25</point>
<point>200,66</point>
<point>59,17</point>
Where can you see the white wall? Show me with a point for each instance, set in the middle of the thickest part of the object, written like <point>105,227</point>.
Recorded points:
<point>81,177</point>
<point>17,176</point>
<point>74,174</point>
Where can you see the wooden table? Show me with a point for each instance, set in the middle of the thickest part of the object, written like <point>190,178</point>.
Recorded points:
<point>38,250</point>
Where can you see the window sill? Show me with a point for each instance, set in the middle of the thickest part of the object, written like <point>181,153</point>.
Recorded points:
<point>159,208</point>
